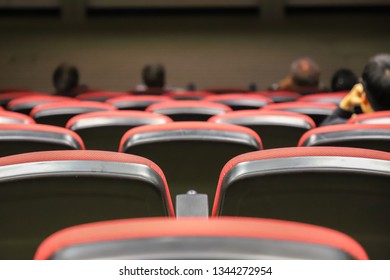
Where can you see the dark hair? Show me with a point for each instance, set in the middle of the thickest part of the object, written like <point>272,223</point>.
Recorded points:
<point>343,80</point>
<point>376,82</point>
<point>154,75</point>
<point>65,78</point>
<point>305,73</point>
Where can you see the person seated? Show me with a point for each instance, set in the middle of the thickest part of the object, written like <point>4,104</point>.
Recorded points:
<point>66,81</point>
<point>372,94</point>
<point>343,80</point>
<point>153,77</point>
<point>304,77</point>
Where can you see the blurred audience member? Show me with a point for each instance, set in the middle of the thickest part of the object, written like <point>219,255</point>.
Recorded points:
<point>304,77</point>
<point>66,81</point>
<point>372,94</point>
<point>343,80</point>
<point>153,77</point>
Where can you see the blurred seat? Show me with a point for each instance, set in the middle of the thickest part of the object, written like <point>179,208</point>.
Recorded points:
<point>191,154</point>
<point>25,104</point>
<point>22,138</point>
<point>224,90</point>
<point>188,95</point>
<point>331,97</point>
<point>140,102</point>
<point>189,110</point>
<point>240,101</point>
<point>346,189</point>
<point>279,96</point>
<point>44,192</point>
<point>277,129</point>
<point>382,117</point>
<point>6,97</point>
<point>100,96</point>
<point>104,130</point>
<point>222,238</point>
<point>318,112</point>
<point>12,118</point>
<point>369,136</point>
<point>60,113</point>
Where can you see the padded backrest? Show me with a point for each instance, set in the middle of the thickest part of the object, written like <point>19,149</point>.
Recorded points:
<point>346,189</point>
<point>382,117</point>
<point>240,101</point>
<point>100,96</point>
<point>191,154</point>
<point>12,118</point>
<point>189,110</point>
<point>22,138</point>
<point>276,128</point>
<point>317,111</point>
<point>331,97</point>
<point>25,104</point>
<point>224,90</point>
<point>140,102</point>
<point>104,130</point>
<point>60,113</point>
<point>190,238</point>
<point>6,97</point>
<point>188,95</point>
<point>279,96</point>
<point>369,136</point>
<point>43,192</point>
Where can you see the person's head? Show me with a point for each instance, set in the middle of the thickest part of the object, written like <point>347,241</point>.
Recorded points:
<point>343,80</point>
<point>153,76</point>
<point>65,78</point>
<point>305,73</point>
<point>376,83</point>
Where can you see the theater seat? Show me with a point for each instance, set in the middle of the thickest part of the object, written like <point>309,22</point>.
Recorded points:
<point>317,111</point>
<point>369,136</point>
<point>188,95</point>
<point>224,90</point>
<point>279,96</point>
<point>346,189</point>
<point>44,192</point>
<point>382,117</point>
<point>276,128</point>
<point>330,98</point>
<point>14,118</point>
<point>189,110</point>
<point>25,104</point>
<point>100,96</point>
<point>22,138</point>
<point>6,97</point>
<point>191,154</point>
<point>104,130</point>
<point>222,238</point>
<point>60,113</point>
<point>140,102</point>
<point>240,101</point>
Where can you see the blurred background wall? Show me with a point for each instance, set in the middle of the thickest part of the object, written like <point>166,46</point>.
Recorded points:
<point>218,43</point>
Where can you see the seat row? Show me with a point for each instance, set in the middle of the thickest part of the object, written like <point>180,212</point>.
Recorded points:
<point>344,189</point>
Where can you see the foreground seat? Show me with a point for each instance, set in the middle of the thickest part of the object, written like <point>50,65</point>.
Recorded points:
<point>60,113</point>
<point>369,136</point>
<point>189,110</point>
<point>100,96</point>
<point>6,97</point>
<point>7,117</point>
<point>140,102</point>
<point>346,189</point>
<point>277,129</point>
<point>318,112</point>
<point>104,130</point>
<point>25,104</point>
<point>280,96</point>
<point>382,117</point>
<point>44,192</point>
<point>240,101</point>
<point>188,95</point>
<point>22,138</point>
<point>191,154</point>
<point>330,98</point>
<point>222,238</point>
